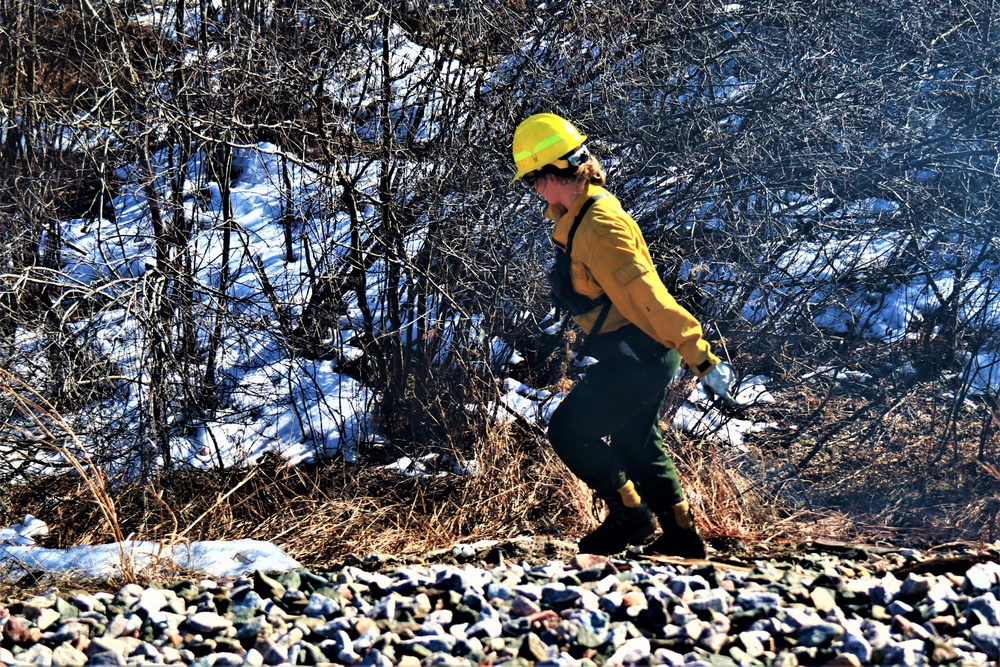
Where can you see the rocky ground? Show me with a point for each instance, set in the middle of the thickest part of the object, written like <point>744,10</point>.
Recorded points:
<point>537,602</point>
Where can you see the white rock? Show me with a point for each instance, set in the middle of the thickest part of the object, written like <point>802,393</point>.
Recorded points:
<point>982,576</point>
<point>633,651</point>
<point>151,600</point>
<point>65,655</point>
<point>253,658</point>
<point>46,617</point>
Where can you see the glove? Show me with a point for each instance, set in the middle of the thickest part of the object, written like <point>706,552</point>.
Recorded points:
<point>718,381</point>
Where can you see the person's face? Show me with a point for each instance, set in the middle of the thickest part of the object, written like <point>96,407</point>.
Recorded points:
<point>540,183</point>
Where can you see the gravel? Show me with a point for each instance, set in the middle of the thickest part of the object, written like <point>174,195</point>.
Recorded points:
<point>476,605</point>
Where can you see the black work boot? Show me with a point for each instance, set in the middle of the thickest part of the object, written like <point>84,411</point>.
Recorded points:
<point>623,527</point>
<point>680,535</point>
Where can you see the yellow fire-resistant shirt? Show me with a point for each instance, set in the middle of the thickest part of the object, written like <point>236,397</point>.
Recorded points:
<point>610,257</point>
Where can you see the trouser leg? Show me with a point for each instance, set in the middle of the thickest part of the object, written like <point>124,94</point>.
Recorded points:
<point>639,446</point>
<point>619,397</point>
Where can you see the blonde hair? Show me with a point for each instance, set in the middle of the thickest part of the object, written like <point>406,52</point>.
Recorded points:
<point>590,172</point>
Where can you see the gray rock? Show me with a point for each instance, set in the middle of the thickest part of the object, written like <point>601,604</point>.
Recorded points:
<point>487,627</point>
<point>684,586</point>
<point>607,584</point>
<point>785,659</point>
<point>106,659</point>
<point>271,652</point>
<point>944,652</point>
<point>46,618</point>
<point>36,604</point>
<point>753,642</point>
<point>148,652</point>
<point>108,645</point>
<point>669,658</point>
<point>118,626</point>
<point>986,607</point>
<point>37,654</point>
<point>987,639</point>
<point>69,631</point>
<point>437,643</point>
<point>207,622</point>
<point>909,629</point>
<point>499,591</point>
<point>469,579</point>
<point>886,590</point>
<point>714,599</point>
<point>612,602</point>
<point>522,606</point>
<point>758,599</point>
<point>219,660</point>
<point>819,634</point>
<point>798,618</point>
<point>66,610</point>
<point>632,652</point>
<point>85,602</point>
<point>151,600</point>
<point>366,639</point>
<point>942,591</point>
<point>441,616</point>
<point>255,627</point>
<point>903,653</point>
<point>128,595</point>
<point>715,634</point>
<point>876,633</point>
<point>899,608</point>
<point>291,580</point>
<point>374,658</point>
<point>823,599</point>
<point>267,587</point>
<point>915,586</point>
<point>558,595</point>
<point>172,655</point>
<point>533,648</point>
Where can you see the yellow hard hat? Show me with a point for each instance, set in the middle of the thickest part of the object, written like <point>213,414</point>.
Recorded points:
<point>541,139</point>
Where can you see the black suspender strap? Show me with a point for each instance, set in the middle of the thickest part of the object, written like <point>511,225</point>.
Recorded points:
<point>578,219</point>
<point>606,306</point>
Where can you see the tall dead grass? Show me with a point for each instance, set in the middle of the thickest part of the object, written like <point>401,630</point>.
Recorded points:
<point>729,502</point>
<point>321,512</point>
<point>50,432</point>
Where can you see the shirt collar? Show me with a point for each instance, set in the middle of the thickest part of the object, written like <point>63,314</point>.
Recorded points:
<point>564,217</point>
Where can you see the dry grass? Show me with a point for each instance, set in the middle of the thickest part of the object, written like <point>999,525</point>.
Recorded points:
<point>320,513</point>
<point>888,460</point>
<point>50,432</point>
<point>728,503</point>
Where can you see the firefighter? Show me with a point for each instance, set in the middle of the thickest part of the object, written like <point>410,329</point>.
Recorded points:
<point>604,277</point>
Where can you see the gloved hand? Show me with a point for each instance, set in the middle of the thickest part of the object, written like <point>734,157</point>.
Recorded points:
<point>718,382</point>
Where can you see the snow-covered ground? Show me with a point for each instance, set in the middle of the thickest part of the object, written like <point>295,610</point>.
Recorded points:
<point>19,555</point>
